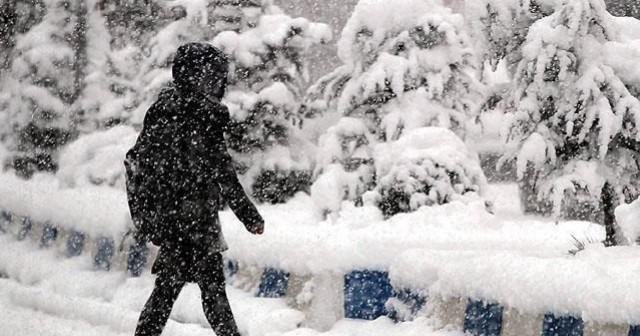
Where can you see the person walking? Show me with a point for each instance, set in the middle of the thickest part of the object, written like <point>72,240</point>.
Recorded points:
<point>182,146</point>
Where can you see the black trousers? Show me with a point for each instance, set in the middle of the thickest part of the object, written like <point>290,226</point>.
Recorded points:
<point>216,307</point>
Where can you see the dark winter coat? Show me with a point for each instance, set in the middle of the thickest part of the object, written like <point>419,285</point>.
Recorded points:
<point>196,176</point>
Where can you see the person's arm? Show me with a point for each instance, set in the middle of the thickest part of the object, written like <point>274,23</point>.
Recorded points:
<point>232,191</point>
<point>213,150</point>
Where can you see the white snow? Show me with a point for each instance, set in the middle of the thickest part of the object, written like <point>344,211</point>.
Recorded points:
<point>96,210</point>
<point>597,284</point>
<point>96,158</point>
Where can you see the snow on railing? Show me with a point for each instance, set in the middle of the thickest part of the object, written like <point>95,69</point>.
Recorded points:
<point>478,291</point>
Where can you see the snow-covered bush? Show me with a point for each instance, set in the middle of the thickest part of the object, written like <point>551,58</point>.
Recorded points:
<point>268,72</point>
<point>96,158</point>
<point>426,166</point>
<point>571,112</point>
<point>408,64</point>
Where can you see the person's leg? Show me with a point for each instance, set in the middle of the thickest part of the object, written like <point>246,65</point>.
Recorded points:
<point>215,303</point>
<point>156,311</point>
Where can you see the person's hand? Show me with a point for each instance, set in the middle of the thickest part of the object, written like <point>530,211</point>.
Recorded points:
<point>257,228</point>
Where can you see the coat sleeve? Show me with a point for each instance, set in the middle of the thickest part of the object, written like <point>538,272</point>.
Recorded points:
<point>214,150</point>
<point>233,192</point>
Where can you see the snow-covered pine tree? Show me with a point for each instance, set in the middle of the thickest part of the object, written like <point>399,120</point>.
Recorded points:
<point>500,27</point>
<point>624,8</point>
<point>268,72</point>
<point>45,79</point>
<point>571,113</point>
<point>407,65</point>
<point>118,31</point>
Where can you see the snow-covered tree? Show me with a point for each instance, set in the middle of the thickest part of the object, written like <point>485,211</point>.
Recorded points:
<point>571,113</point>
<point>45,80</point>
<point>118,34</point>
<point>407,65</point>
<point>268,72</point>
<point>500,27</point>
<point>624,8</point>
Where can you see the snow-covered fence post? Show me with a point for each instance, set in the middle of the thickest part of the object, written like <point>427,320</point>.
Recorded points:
<point>49,235</point>
<point>405,304</point>
<point>25,228</point>
<point>75,243</point>
<point>231,267</point>
<point>137,257</point>
<point>104,253</point>
<point>5,221</point>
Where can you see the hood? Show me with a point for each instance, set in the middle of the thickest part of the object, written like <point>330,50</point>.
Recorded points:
<point>200,67</point>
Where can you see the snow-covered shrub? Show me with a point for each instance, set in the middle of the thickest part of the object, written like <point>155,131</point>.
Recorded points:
<point>96,158</point>
<point>426,166</point>
<point>265,95</point>
<point>570,112</point>
<point>345,168</point>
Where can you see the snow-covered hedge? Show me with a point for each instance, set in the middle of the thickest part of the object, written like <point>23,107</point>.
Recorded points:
<point>427,166</point>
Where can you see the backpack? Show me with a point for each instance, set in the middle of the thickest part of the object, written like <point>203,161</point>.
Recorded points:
<point>146,176</point>
<point>143,199</point>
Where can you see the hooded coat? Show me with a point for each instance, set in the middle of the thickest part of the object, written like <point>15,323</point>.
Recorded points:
<point>185,126</point>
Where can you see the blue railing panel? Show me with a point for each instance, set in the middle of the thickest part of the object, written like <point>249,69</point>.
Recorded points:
<point>75,243</point>
<point>273,283</point>
<point>366,293</point>
<point>137,258</point>
<point>49,235</point>
<point>634,331</point>
<point>25,228</point>
<point>231,268</point>
<point>5,221</point>
<point>102,259</point>
<point>562,326</point>
<point>412,303</point>
<point>483,319</point>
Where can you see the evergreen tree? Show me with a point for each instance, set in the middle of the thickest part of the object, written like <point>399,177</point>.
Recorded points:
<point>407,65</point>
<point>500,27</point>
<point>45,80</point>
<point>571,114</point>
<point>268,72</point>
<point>624,8</point>
<point>118,33</point>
